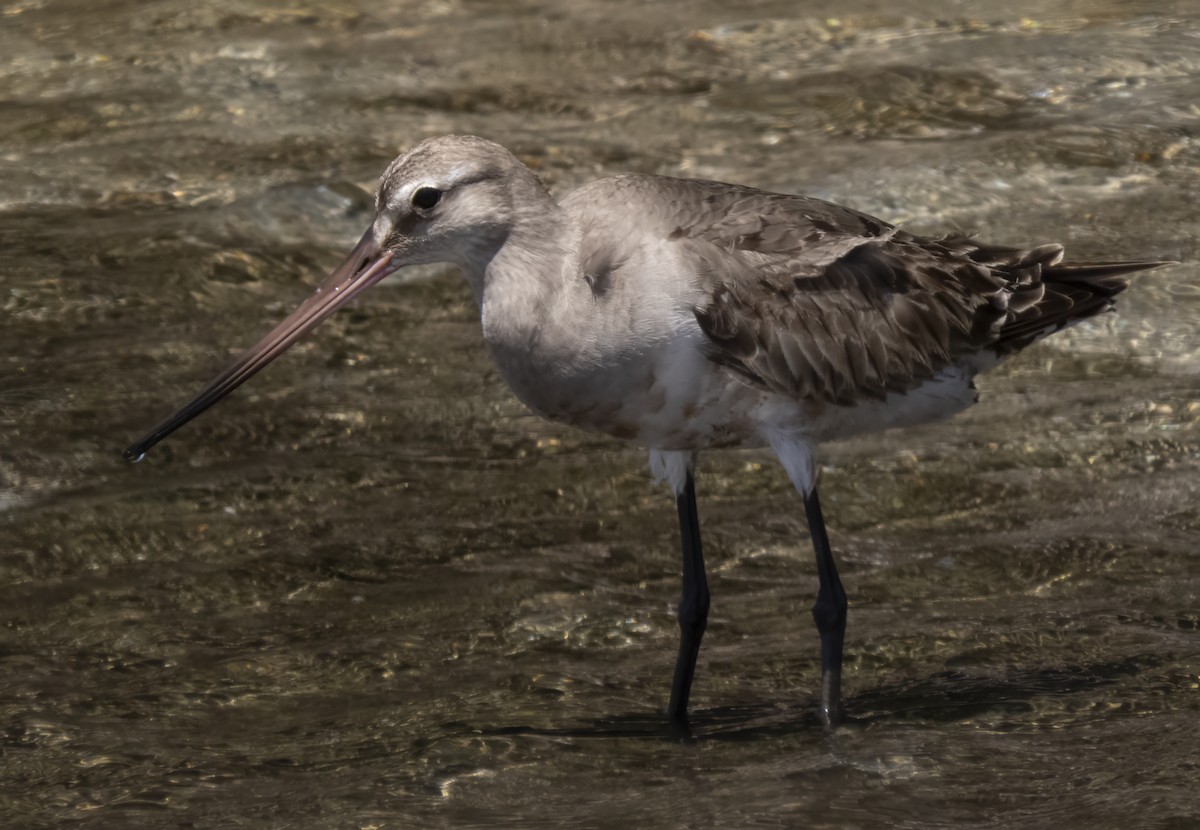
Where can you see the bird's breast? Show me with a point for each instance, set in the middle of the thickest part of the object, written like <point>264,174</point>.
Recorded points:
<point>625,360</point>
<point>665,395</point>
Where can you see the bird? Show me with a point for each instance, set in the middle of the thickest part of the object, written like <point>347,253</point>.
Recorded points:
<point>685,315</point>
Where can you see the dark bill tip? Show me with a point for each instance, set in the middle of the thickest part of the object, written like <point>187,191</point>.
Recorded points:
<point>365,266</point>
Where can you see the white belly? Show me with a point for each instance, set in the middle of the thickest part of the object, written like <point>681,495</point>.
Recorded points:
<point>672,397</point>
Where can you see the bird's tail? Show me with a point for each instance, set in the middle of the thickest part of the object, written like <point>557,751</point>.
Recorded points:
<point>1047,294</point>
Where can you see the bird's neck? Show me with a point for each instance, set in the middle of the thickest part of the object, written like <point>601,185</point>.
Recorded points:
<point>532,279</point>
<point>535,306</point>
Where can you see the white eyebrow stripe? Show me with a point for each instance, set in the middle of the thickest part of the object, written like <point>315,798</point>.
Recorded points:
<point>461,174</point>
<point>402,196</point>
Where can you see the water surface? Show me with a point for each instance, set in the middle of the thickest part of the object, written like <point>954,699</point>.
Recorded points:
<point>371,590</point>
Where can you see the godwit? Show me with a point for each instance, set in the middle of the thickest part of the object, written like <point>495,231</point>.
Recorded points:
<point>685,315</point>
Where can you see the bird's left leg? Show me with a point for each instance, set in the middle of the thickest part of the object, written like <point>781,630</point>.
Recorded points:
<point>676,469</point>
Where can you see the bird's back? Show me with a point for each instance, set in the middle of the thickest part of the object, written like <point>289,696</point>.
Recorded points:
<point>820,302</point>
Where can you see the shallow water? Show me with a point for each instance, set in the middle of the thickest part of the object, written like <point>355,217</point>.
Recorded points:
<point>370,590</point>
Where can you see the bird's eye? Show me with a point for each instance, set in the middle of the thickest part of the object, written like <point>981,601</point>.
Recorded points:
<point>426,197</point>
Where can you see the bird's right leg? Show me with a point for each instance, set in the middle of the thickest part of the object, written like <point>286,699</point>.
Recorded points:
<point>795,452</point>
<point>829,613</point>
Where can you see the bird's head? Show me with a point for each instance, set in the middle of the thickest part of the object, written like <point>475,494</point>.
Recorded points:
<point>449,199</point>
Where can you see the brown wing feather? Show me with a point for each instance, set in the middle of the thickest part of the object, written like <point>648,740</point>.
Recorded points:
<point>817,301</point>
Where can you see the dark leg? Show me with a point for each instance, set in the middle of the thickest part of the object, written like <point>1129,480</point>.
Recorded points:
<point>829,612</point>
<point>693,607</point>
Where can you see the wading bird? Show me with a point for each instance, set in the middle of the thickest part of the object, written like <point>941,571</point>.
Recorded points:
<point>685,315</point>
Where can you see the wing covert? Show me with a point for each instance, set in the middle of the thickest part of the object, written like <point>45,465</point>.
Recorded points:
<point>816,301</point>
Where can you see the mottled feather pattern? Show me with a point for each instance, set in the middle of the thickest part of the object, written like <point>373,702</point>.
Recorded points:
<point>816,301</point>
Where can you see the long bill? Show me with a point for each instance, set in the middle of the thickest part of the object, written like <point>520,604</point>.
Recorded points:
<point>365,266</point>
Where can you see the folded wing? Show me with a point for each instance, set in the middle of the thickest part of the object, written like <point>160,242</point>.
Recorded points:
<point>821,302</point>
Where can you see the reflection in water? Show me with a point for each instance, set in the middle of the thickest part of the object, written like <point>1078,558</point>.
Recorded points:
<point>372,590</point>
